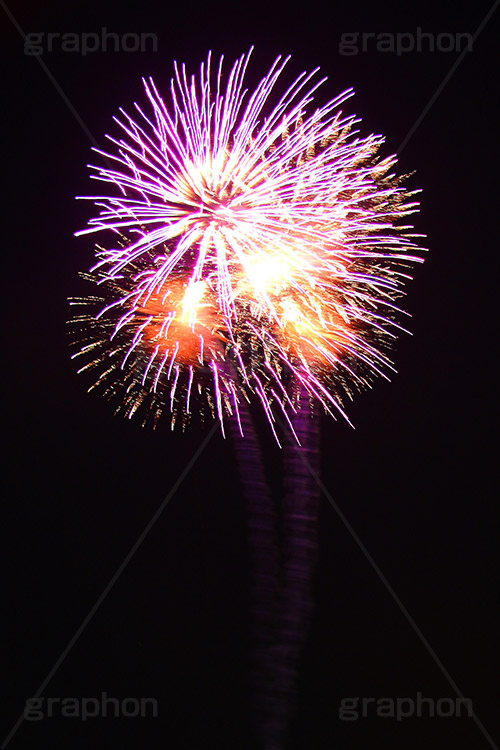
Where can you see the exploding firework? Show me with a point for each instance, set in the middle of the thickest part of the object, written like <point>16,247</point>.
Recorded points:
<point>255,244</point>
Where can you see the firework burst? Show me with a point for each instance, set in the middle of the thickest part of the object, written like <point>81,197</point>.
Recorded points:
<point>253,244</point>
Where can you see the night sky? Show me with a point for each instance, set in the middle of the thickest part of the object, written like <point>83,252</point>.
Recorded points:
<point>416,479</point>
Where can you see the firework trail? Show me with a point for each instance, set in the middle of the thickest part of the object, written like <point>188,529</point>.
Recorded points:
<point>263,537</point>
<point>256,250</point>
<point>300,512</point>
<point>282,601</point>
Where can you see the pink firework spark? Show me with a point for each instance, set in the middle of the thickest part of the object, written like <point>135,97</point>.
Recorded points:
<point>255,244</point>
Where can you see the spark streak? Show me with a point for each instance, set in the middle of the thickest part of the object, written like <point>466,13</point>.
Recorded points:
<point>270,237</point>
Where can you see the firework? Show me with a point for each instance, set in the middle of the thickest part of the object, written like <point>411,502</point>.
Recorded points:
<point>253,240</point>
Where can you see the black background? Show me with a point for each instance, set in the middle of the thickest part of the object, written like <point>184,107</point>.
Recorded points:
<point>416,478</point>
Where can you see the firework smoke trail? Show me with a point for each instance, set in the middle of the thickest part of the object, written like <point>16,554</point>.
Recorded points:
<point>263,537</point>
<point>300,520</point>
<point>282,599</point>
<point>254,249</point>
